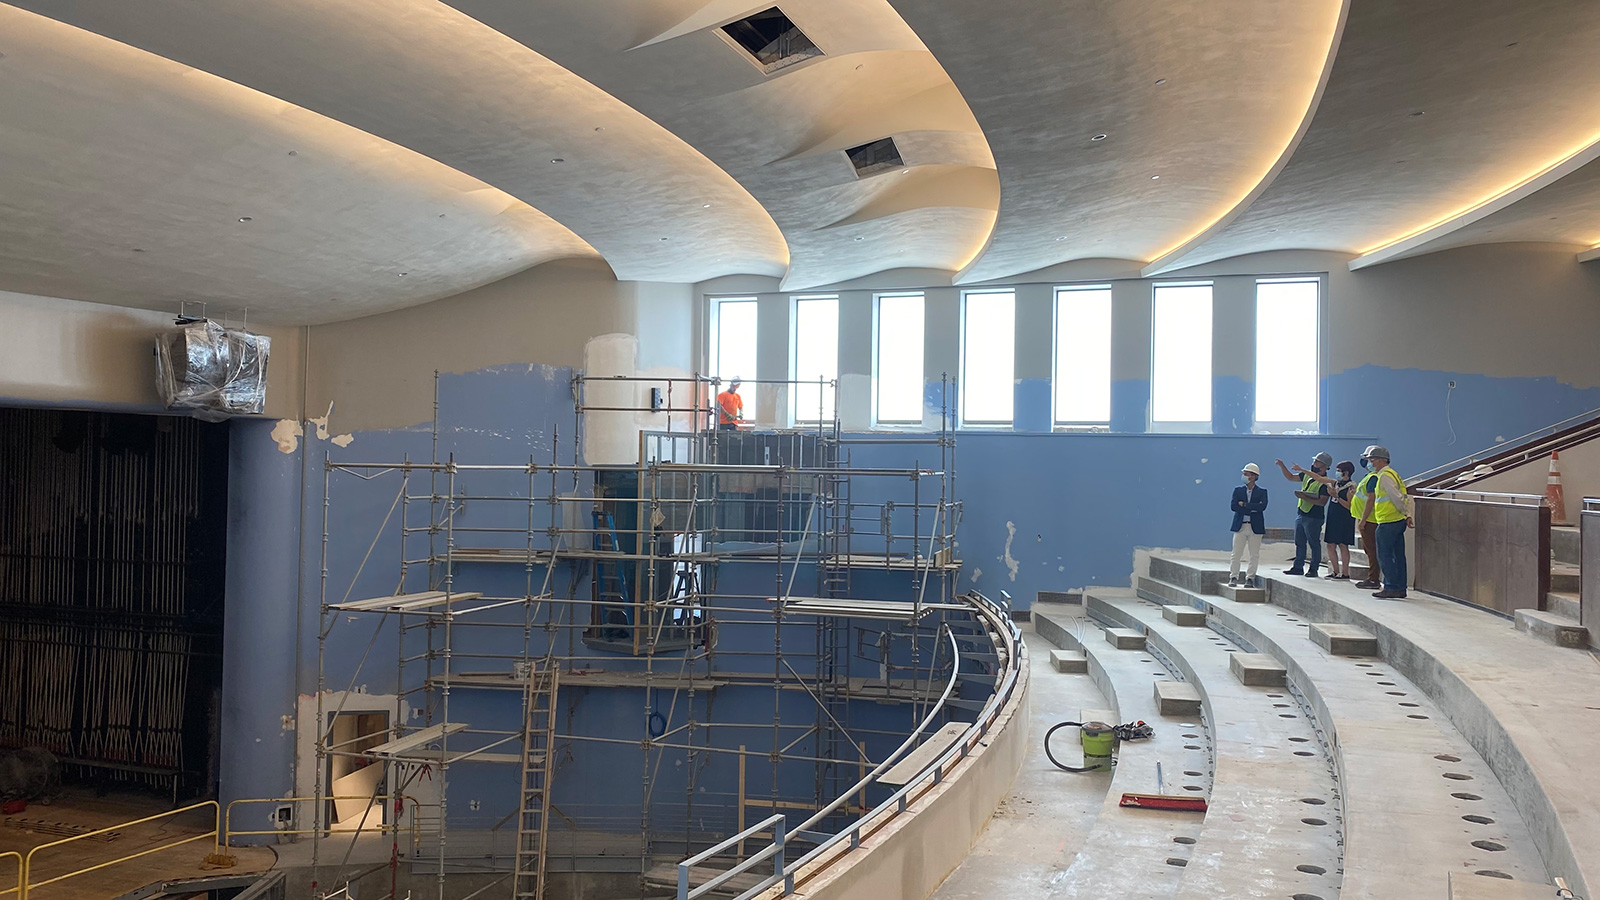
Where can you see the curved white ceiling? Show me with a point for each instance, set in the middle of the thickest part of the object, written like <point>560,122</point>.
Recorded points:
<point>1197,102</point>
<point>426,77</point>
<point>782,135</point>
<point>1432,109</point>
<point>132,179</point>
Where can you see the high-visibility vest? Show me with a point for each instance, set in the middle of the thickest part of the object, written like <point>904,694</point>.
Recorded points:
<point>1309,485</point>
<point>1358,501</point>
<point>1388,506</point>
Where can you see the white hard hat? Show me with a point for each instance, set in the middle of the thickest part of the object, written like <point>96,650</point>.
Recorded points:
<point>1252,468</point>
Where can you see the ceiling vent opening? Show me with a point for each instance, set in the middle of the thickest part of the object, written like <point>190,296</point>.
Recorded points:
<point>772,41</point>
<point>876,156</point>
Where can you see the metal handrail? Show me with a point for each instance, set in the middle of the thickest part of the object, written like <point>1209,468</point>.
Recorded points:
<point>1547,431</point>
<point>774,851</point>
<point>18,889</point>
<point>900,800</point>
<point>214,834</point>
<point>1591,504</point>
<point>1494,497</point>
<point>228,832</point>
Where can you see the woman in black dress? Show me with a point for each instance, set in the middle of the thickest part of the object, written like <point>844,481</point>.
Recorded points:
<point>1340,530</point>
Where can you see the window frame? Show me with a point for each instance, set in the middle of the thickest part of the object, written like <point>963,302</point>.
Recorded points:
<point>1274,426</point>
<point>877,362</point>
<point>1194,426</point>
<point>962,390</point>
<point>714,343</point>
<point>1072,425</point>
<point>795,419</point>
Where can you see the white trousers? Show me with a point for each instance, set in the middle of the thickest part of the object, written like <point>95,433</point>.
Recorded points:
<point>1243,538</point>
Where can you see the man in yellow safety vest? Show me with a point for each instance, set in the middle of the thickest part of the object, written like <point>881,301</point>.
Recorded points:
<point>1361,511</point>
<point>1312,497</point>
<point>1389,505</point>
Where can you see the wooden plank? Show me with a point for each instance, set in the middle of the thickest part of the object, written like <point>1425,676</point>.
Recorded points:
<point>914,762</point>
<point>415,739</point>
<point>403,602</point>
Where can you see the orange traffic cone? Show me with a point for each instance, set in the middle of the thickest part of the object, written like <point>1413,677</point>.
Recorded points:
<point>1552,491</point>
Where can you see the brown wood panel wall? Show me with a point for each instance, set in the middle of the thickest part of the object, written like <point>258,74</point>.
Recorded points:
<point>1493,555</point>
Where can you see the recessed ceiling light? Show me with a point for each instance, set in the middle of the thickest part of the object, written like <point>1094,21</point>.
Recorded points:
<point>1161,81</point>
<point>1062,238</point>
<point>1418,113</point>
<point>1272,231</point>
<point>244,218</point>
<point>599,128</point>
<point>294,153</point>
<point>138,249</point>
<point>558,160</point>
<point>859,238</point>
<point>1098,137</point>
<point>1155,177</point>
<point>1508,46</point>
<point>705,206</point>
<point>663,239</point>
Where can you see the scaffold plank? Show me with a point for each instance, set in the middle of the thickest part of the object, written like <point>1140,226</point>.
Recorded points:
<point>403,602</point>
<point>415,739</point>
<point>897,610</point>
<point>600,678</point>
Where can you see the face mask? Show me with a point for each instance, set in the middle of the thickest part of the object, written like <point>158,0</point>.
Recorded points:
<point>1363,462</point>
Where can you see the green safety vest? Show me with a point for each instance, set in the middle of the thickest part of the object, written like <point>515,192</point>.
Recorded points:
<point>1309,485</point>
<point>1358,502</point>
<point>1389,507</point>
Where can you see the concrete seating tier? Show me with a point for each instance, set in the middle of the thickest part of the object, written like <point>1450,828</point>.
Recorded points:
<point>1141,853</point>
<point>1270,830</point>
<point>1414,788</point>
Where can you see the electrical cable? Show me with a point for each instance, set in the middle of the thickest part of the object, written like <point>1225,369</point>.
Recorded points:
<point>1451,425</point>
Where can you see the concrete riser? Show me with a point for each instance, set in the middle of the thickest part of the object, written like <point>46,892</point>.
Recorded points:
<point>1565,546</point>
<point>1557,630</point>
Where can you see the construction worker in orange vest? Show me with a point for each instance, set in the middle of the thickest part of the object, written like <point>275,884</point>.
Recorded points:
<point>730,407</point>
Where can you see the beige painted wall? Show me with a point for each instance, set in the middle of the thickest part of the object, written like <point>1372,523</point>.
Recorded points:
<point>1580,477</point>
<point>75,354</point>
<point>377,371</point>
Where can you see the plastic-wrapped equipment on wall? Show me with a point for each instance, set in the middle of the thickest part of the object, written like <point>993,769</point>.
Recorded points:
<point>217,372</point>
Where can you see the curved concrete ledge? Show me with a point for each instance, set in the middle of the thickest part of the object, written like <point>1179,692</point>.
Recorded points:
<point>1394,812</point>
<point>1134,849</point>
<point>1270,775</point>
<point>911,853</point>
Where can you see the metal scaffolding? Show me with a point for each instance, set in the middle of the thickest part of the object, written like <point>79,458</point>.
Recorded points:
<point>620,567</point>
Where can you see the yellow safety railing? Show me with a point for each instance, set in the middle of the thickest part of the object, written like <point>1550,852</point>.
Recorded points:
<point>27,883</point>
<point>18,889</point>
<point>229,833</point>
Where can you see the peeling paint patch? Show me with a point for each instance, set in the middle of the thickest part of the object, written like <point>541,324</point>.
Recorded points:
<point>976,574</point>
<point>344,440</point>
<point>1204,460</point>
<point>286,434</point>
<point>322,423</point>
<point>1010,561</point>
<point>288,723</point>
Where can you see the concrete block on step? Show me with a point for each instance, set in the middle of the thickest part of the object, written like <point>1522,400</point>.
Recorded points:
<point>1125,638</point>
<point>1244,594</point>
<point>1557,629</point>
<point>1177,698</point>
<point>1563,604</point>
<point>1184,615</point>
<point>1257,669</point>
<point>1343,640</point>
<point>1468,886</point>
<point>1068,661</point>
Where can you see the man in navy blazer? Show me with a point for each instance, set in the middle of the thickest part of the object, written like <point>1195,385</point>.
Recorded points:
<point>1249,504</point>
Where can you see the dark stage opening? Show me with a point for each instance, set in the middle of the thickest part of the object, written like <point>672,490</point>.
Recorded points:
<point>113,532</point>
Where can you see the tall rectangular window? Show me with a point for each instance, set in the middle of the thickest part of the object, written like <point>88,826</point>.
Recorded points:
<point>733,345</point>
<point>816,357</point>
<point>988,357</point>
<point>1180,354</point>
<point>901,320</point>
<point>1083,355</point>
<point>1287,350</point>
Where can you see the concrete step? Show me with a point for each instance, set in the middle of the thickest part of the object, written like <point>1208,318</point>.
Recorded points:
<point>1557,629</point>
<point>1071,598</point>
<point>1243,594</point>
<point>1177,698</point>
<point>1564,604</point>
<point>1344,640</point>
<point>1565,578</point>
<point>1472,886</point>
<point>1125,638</point>
<point>1565,544</point>
<point>1069,661</point>
<point>1257,669</point>
<point>1187,616</point>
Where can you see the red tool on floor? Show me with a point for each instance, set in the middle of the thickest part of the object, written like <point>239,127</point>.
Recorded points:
<point>1164,801</point>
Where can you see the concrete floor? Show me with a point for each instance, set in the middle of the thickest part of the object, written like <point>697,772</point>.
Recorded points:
<point>1036,831</point>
